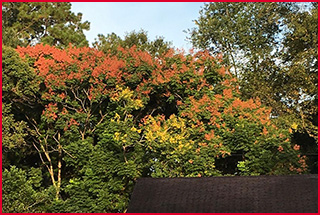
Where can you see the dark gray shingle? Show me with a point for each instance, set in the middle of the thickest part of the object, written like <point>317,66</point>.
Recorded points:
<point>238,194</point>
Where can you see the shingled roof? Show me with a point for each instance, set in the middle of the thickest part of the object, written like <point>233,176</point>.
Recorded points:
<point>234,194</point>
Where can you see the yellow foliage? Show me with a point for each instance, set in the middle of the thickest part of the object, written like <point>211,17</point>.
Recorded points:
<point>117,117</point>
<point>172,140</point>
<point>138,103</point>
<point>149,136</point>
<point>170,133</point>
<point>128,96</point>
<point>116,136</point>
<point>294,126</point>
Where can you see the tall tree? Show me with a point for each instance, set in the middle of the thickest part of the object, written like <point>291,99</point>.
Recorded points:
<point>53,23</point>
<point>248,36</point>
<point>241,31</point>
<point>300,59</point>
<point>272,49</point>
<point>19,94</point>
<point>140,40</point>
<point>106,120</point>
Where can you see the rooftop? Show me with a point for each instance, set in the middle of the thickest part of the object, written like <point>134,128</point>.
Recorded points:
<point>232,194</point>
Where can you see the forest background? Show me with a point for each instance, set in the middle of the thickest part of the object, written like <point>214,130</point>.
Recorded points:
<point>81,124</point>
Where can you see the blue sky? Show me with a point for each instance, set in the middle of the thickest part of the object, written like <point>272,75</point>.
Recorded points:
<point>167,19</point>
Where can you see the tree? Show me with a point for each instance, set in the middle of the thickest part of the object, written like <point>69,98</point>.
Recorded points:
<point>110,43</point>
<point>105,120</point>
<point>211,123</point>
<point>65,101</point>
<point>28,23</point>
<point>273,51</point>
<point>73,105</point>
<point>238,30</point>
<point>301,68</point>
<point>22,192</point>
<point>301,78</point>
<point>19,94</point>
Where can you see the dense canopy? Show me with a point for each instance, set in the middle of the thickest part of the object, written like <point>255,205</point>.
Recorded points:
<point>81,124</point>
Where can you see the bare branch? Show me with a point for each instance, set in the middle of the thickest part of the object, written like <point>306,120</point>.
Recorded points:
<point>87,94</point>
<point>54,137</point>
<point>100,121</point>
<point>40,155</point>
<point>71,108</point>
<point>178,96</point>
<point>67,153</point>
<point>81,102</point>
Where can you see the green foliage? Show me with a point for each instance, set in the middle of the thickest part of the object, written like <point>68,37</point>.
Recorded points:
<point>111,42</point>
<point>13,137</point>
<point>13,132</point>
<point>238,30</point>
<point>18,95</point>
<point>104,185</point>
<point>301,72</point>
<point>272,49</point>
<point>17,78</point>
<point>107,120</point>
<point>22,193</point>
<point>82,124</point>
<point>28,23</point>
